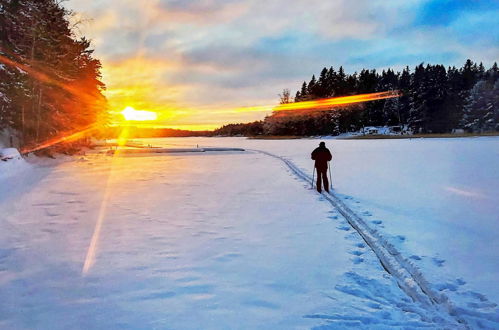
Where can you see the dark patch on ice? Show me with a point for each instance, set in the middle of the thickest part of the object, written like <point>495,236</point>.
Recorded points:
<point>400,238</point>
<point>414,257</point>
<point>460,281</point>
<point>360,245</point>
<point>367,213</point>
<point>345,228</point>
<point>357,253</point>
<point>377,222</point>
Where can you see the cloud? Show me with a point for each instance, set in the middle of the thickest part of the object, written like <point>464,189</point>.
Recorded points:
<point>195,60</point>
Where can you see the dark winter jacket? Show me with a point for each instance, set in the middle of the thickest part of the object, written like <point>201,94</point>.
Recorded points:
<point>321,155</point>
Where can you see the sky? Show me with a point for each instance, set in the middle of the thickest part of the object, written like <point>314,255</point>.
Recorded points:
<point>197,63</point>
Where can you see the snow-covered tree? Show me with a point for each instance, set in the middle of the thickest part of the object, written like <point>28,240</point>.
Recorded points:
<point>479,112</point>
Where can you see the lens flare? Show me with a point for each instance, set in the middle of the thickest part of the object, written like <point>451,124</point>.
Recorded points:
<point>39,74</point>
<point>324,104</point>
<point>68,137</point>
<point>93,246</point>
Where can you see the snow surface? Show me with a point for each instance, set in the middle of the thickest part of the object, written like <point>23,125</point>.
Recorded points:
<point>238,240</point>
<point>11,164</point>
<point>9,153</point>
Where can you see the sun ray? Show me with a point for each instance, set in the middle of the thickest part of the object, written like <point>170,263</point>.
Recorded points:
<point>94,241</point>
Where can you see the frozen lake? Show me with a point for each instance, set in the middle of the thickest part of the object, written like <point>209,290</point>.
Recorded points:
<point>236,240</point>
<point>441,196</point>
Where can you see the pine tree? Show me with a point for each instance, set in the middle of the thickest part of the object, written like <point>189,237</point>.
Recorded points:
<point>479,109</point>
<point>61,92</point>
<point>312,88</point>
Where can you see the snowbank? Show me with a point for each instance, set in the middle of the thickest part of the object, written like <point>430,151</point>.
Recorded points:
<point>11,163</point>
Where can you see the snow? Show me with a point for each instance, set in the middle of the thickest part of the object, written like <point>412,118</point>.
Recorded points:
<point>9,153</point>
<point>238,240</point>
<point>11,164</point>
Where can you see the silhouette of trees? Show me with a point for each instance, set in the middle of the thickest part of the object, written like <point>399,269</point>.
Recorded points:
<point>54,86</point>
<point>434,100</point>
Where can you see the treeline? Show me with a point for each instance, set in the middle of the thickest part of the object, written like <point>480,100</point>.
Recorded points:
<point>49,80</point>
<point>435,99</point>
<point>249,129</point>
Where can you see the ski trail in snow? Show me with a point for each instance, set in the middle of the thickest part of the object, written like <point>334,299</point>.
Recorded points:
<point>408,276</point>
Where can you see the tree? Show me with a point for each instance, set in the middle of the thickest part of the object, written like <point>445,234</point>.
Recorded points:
<point>479,112</point>
<point>285,96</point>
<point>51,83</point>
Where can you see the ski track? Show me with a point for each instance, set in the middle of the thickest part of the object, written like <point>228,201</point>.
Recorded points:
<point>409,278</point>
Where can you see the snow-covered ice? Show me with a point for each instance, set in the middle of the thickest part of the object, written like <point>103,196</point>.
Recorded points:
<point>237,240</point>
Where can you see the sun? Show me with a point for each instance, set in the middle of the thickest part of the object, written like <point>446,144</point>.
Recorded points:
<point>131,114</point>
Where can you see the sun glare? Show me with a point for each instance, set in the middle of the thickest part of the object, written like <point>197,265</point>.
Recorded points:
<point>135,115</point>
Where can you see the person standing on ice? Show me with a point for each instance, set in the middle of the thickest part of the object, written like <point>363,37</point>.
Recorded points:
<point>322,156</point>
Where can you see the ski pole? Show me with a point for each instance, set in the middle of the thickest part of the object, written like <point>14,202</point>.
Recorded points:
<point>313,176</point>
<point>330,178</point>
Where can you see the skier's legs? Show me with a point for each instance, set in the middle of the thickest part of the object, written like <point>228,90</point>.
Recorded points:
<point>319,180</point>
<point>325,180</point>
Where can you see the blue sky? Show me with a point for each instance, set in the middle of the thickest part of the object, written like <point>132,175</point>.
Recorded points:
<point>195,61</point>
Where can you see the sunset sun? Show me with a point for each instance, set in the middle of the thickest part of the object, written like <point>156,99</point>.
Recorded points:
<point>131,114</point>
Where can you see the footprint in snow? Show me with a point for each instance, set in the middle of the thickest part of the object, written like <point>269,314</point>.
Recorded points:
<point>438,262</point>
<point>482,305</point>
<point>367,213</point>
<point>157,295</point>
<point>357,260</point>
<point>261,304</point>
<point>360,245</point>
<point>357,253</point>
<point>50,213</point>
<point>228,257</point>
<point>44,204</point>
<point>74,201</point>
<point>345,228</point>
<point>69,193</point>
<point>377,222</point>
<point>476,295</point>
<point>414,257</point>
<point>446,286</point>
<point>401,238</point>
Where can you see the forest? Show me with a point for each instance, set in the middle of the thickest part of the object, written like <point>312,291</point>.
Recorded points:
<point>50,83</point>
<point>434,99</point>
